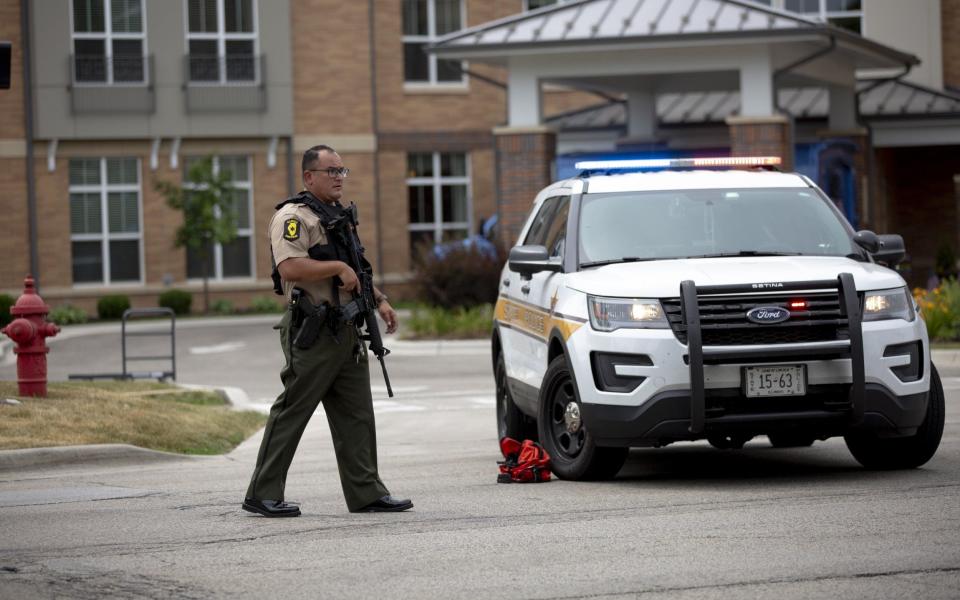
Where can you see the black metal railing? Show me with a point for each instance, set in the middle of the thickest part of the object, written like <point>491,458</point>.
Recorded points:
<point>120,84</point>
<point>99,69</point>
<point>230,69</point>
<point>234,83</point>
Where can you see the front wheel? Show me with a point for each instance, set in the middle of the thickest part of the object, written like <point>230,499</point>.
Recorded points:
<point>573,454</point>
<point>878,453</point>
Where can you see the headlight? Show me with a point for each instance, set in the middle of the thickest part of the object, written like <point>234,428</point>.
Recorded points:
<point>888,304</point>
<point>609,314</point>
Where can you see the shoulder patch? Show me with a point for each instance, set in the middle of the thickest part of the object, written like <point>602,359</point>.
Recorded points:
<point>291,229</point>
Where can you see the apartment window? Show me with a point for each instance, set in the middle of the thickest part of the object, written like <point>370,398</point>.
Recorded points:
<point>535,4</point>
<point>846,14</point>
<point>222,41</point>
<point>423,22</point>
<point>235,259</point>
<point>105,222</point>
<point>108,41</point>
<point>438,191</point>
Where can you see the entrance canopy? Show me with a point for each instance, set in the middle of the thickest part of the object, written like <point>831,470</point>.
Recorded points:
<point>646,48</point>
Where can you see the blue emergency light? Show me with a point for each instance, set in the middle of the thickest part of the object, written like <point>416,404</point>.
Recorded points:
<point>668,163</point>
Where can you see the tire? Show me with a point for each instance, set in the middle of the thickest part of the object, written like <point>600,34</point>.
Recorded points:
<point>573,454</point>
<point>790,440</point>
<point>910,452</point>
<point>728,442</point>
<point>511,422</point>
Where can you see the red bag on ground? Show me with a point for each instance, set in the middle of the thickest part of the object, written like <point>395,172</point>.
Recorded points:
<point>525,462</point>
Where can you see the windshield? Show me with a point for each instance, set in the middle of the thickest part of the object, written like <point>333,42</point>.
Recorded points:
<point>701,223</point>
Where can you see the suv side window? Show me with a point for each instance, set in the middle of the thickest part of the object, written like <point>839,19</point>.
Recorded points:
<point>541,223</point>
<point>557,231</point>
<point>550,225</point>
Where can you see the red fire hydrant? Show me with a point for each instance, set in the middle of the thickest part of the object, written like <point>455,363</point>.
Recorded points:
<point>30,330</point>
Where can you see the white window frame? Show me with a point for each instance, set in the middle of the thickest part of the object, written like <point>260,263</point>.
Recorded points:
<point>437,181</point>
<point>217,274</point>
<point>825,15</point>
<point>222,36</point>
<point>108,35</point>
<point>431,37</point>
<point>105,236</point>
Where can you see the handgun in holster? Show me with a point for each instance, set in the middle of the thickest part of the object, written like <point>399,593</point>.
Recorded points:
<point>311,318</point>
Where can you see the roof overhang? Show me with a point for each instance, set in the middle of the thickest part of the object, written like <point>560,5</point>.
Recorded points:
<point>604,25</point>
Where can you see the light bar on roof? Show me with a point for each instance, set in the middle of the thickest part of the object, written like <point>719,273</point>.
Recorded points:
<point>661,163</point>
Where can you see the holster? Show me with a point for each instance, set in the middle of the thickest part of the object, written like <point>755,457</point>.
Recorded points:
<point>309,319</point>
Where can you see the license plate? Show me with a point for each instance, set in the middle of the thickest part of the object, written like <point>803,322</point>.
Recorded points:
<point>775,381</point>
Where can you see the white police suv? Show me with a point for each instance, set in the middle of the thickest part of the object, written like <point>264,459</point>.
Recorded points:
<point>683,301</point>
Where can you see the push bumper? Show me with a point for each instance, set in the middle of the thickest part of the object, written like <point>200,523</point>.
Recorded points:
<point>666,418</point>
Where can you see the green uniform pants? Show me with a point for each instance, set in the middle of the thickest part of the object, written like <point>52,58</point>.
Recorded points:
<point>329,372</point>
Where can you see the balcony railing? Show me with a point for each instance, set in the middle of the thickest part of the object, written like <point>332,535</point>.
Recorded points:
<point>100,84</point>
<point>118,70</point>
<point>225,83</point>
<point>236,69</point>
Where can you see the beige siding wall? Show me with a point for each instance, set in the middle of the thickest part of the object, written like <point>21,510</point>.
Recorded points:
<point>912,26</point>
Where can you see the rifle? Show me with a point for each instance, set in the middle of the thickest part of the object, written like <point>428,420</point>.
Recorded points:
<point>364,304</point>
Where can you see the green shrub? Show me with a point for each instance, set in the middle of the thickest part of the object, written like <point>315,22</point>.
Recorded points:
<point>265,304</point>
<point>112,306</point>
<point>67,315</point>
<point>940,308</point>
<point>463,277</point>
<point>177,300</point>
<point>6,301</point>
<point>457,323</point>
<point>222,307</point>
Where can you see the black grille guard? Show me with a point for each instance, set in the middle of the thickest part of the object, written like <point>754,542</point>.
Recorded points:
<point>850,307</point>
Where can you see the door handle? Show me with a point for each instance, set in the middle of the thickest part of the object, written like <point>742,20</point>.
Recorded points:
<point>506,283</point>
<point>525,288</point>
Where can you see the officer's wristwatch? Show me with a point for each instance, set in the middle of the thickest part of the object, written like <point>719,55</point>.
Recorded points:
<point>381,299</point>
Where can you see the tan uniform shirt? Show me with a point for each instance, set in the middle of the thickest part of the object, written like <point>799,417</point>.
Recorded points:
<point>293,230</point>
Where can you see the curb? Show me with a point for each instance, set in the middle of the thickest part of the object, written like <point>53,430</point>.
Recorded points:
<point>94,454</point>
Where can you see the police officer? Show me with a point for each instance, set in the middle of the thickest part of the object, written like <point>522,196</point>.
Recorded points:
<point>334,370</point>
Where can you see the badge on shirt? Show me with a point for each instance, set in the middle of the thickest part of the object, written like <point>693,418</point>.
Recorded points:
<point>291,229</point>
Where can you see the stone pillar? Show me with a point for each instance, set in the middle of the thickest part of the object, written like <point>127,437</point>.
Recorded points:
<point>524,158</point>
<point>762,136</point>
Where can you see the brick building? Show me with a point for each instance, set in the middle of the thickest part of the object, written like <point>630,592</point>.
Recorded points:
<point>120,93</point>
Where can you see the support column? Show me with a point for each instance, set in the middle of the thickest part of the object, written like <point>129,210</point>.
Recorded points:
<point>762,136</point>
<point>524,98</point>
<point>843,108</point>
<point>759,130</point>
<point>524,158</point>
<point>641,116</point>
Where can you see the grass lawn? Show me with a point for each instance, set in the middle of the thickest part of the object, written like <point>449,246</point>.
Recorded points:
<point>146,414</point>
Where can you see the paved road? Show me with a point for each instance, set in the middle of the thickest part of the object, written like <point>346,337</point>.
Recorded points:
<point>686,521</point>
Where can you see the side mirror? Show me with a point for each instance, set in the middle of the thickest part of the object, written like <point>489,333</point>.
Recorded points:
<point>528,260</point>
<point>867,240</point>
<point>891,251</point>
